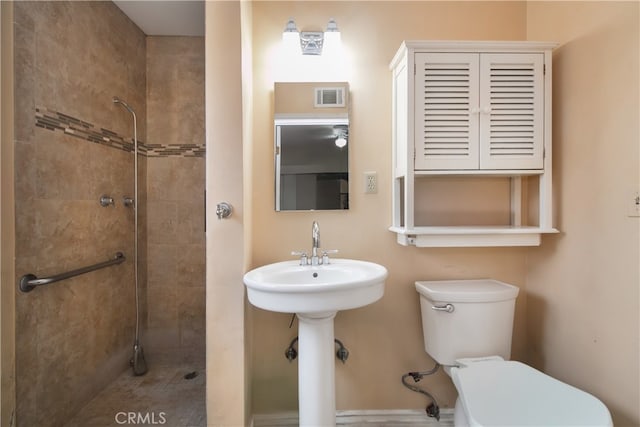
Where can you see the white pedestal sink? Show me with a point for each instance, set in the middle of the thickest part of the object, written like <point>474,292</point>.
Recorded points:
<point>315,293</point>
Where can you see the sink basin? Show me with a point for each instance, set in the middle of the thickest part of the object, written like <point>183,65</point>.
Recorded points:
<point>289,287</point>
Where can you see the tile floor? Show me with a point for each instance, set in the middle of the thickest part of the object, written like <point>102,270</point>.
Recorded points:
<point>161,397</point>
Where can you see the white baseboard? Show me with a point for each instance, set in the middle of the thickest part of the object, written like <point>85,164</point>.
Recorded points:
<point>368,418</point>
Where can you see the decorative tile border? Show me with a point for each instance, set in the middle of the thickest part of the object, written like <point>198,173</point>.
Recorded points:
<point>54,120</point>
<point>184,150</point>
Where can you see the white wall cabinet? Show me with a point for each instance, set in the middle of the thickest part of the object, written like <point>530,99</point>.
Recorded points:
<point>472,110</point>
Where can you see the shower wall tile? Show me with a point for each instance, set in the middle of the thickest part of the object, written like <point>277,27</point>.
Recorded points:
<point>176,178</point>
<point>175,89</point>
<point>162,266</point>
<point>176,264</point>
<point>175,191</point>
<point>164,310</point>
<point>25,180</point>
<point>80,67</point>
<point>191,312</point>
<point>142,240</point>
<point>191,219</point>
<point>162,221</point>
<point>72,146</point>
<point>191,265</point>
<point>24,65</point>
<point>75,335</point>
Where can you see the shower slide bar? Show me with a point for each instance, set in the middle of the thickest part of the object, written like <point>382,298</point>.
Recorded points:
<point>28,282</point>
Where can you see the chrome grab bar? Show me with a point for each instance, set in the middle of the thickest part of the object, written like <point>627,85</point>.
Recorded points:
<point>28,282</point>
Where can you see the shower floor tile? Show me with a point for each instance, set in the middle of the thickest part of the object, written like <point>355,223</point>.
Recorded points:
<point>161,397</point>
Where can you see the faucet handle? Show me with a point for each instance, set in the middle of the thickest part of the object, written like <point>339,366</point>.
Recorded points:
<point>325,255</point>
<point>303,256</point>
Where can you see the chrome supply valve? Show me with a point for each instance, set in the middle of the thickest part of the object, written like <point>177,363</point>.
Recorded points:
<point>342,353</point>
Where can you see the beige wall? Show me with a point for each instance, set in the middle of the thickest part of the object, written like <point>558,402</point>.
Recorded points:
<point>225,239</point>
<point>384,339</point>
<point>583,284</point>
<point>246,17</point>
<point>73,337</point>
<point>564,306</point>
<point>175,200</point>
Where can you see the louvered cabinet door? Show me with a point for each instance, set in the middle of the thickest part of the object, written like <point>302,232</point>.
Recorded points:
<point>446,104</point>
<point>511,111</point>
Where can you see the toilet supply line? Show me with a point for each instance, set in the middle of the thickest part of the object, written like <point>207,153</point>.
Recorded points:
<point>432,410</point>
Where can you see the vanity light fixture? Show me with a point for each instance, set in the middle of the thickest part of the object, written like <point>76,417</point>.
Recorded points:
<point>311,42</point>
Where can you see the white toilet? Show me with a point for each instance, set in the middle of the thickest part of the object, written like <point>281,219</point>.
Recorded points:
<point>467,326</point>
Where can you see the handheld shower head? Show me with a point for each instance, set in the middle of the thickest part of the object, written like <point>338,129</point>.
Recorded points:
<point>117,100</point>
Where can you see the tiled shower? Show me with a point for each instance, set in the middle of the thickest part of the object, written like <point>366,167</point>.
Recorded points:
<point>72,146</point>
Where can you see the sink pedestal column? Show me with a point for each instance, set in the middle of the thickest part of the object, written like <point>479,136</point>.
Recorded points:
<point>316,370</point>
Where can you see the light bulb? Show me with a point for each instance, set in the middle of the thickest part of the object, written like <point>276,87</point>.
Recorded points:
<point>291,37</point>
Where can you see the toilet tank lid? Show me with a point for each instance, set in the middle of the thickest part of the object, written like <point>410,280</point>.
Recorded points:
<point>476,290</point>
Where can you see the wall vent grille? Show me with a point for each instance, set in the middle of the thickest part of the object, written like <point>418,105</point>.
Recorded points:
<point>329,97</point>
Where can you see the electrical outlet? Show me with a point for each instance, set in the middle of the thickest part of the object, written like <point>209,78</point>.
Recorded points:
<point>370,182</point>
<point>633,209</point>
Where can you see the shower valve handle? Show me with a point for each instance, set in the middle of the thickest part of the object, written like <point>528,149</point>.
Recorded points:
<point>106,201</point>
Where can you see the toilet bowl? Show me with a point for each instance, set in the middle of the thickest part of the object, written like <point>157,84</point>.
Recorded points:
<point>467,326</point>
<point>496,392</point>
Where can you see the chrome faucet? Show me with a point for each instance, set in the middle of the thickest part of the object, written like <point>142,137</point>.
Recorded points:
<point>315,259</point>
<point>315,242</point>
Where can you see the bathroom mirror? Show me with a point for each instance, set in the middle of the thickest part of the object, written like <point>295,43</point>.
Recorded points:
<point>312,164</point>
<point>311,146</point>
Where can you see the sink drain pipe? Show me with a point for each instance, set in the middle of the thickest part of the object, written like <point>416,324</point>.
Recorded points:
<point>432,409</point>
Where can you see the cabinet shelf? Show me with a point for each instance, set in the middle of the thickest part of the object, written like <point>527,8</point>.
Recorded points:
<point>470,236</point>
<point>484,173</point>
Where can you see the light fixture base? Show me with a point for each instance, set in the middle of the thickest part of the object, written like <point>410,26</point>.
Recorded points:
<point>311,42</point>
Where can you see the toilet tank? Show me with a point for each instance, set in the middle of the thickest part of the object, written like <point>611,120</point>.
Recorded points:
<point>466,318</point>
